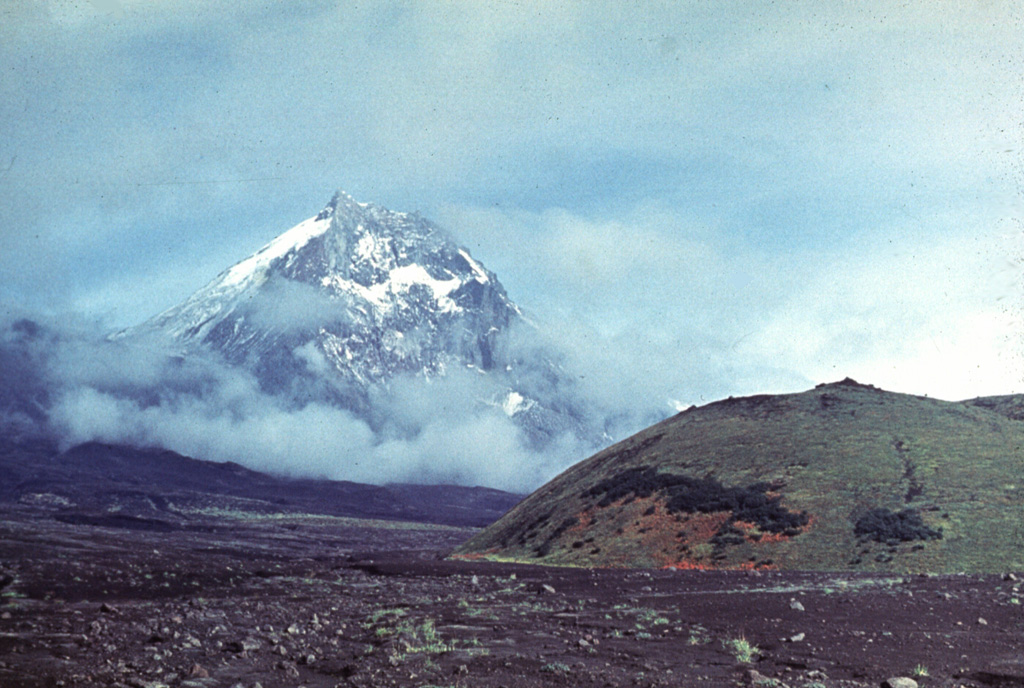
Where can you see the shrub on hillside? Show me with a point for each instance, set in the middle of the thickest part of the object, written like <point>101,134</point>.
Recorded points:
<point>885,525</point>
<point>684,494</point>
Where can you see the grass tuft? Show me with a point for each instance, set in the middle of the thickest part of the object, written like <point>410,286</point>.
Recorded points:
<point>742,649</point>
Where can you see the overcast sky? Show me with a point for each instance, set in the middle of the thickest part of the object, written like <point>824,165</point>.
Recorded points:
<point>703,198</point>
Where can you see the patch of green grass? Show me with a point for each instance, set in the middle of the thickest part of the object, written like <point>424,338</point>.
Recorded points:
<point>650,616</point>
<point>382,614</point>
<point>920,671</point>
<point>698,636</point>
<point>742,649</point>
<point>422,638</point>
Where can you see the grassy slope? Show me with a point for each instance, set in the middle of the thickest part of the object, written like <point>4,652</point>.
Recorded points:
<point>835,452</point>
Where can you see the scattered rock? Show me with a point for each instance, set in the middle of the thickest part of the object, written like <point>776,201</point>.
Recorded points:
<point>756,678</point>
<point>982,622</point>
<point>796,606</point>
<point>289,668</point>
<point>545,588</point>
<point>797,638</point>
<point>245,645</point>
<point>108,609</point>
<point>200,683</point>
<point>899,682</point>
<point>142,683</point>
<point>197,671</point>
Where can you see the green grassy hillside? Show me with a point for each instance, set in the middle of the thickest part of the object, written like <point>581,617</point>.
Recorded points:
<point>843,476</point>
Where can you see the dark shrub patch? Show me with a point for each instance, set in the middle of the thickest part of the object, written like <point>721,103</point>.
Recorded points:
<point>884,525</point>
<point>544,548</point>
<point>727,535</point>
<point>702,495</point>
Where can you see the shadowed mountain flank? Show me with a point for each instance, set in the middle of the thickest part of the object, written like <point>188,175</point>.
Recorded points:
<point>135,488</point>
<point>843,476</point>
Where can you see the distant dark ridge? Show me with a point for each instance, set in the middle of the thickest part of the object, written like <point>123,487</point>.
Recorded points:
<point>156,488</point>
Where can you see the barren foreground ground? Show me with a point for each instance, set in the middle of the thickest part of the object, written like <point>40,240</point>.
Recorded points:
<point>319,601</point>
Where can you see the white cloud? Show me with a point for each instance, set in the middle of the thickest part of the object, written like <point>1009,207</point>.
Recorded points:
<point>924,313</point>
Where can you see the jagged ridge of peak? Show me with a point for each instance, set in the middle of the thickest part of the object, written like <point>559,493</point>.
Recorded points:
<point>360,253</point>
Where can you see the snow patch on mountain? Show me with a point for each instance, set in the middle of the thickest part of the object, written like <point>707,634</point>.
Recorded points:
<point>516,403</point>
<point>255,267</point>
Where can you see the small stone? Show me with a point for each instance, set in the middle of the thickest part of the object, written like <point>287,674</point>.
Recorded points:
<point>108,609</point>
<point>796,606</point>
<point>982,622</point>
<point>797,638</point>
<point>583,643</point>
<point>289,668</point>
<point>899,682</point>
<point>756,678</point>
<point>244,645</point>
<point>547,588</point>
<point>1010,577</point>
<point>197,671</point>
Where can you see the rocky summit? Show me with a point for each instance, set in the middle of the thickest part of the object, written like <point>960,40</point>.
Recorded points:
<point>340,305</point>
<point>844,476</point>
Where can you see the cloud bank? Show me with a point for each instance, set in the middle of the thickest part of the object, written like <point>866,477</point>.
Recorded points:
<point>75,386</point>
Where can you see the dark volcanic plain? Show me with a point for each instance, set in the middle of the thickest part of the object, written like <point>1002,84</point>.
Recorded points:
<point>304,600</point>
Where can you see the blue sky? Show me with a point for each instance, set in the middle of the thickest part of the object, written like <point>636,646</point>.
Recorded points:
<point>701,198</point>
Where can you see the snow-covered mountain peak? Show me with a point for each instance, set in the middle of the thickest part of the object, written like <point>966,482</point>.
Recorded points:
<point>344,302</point>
